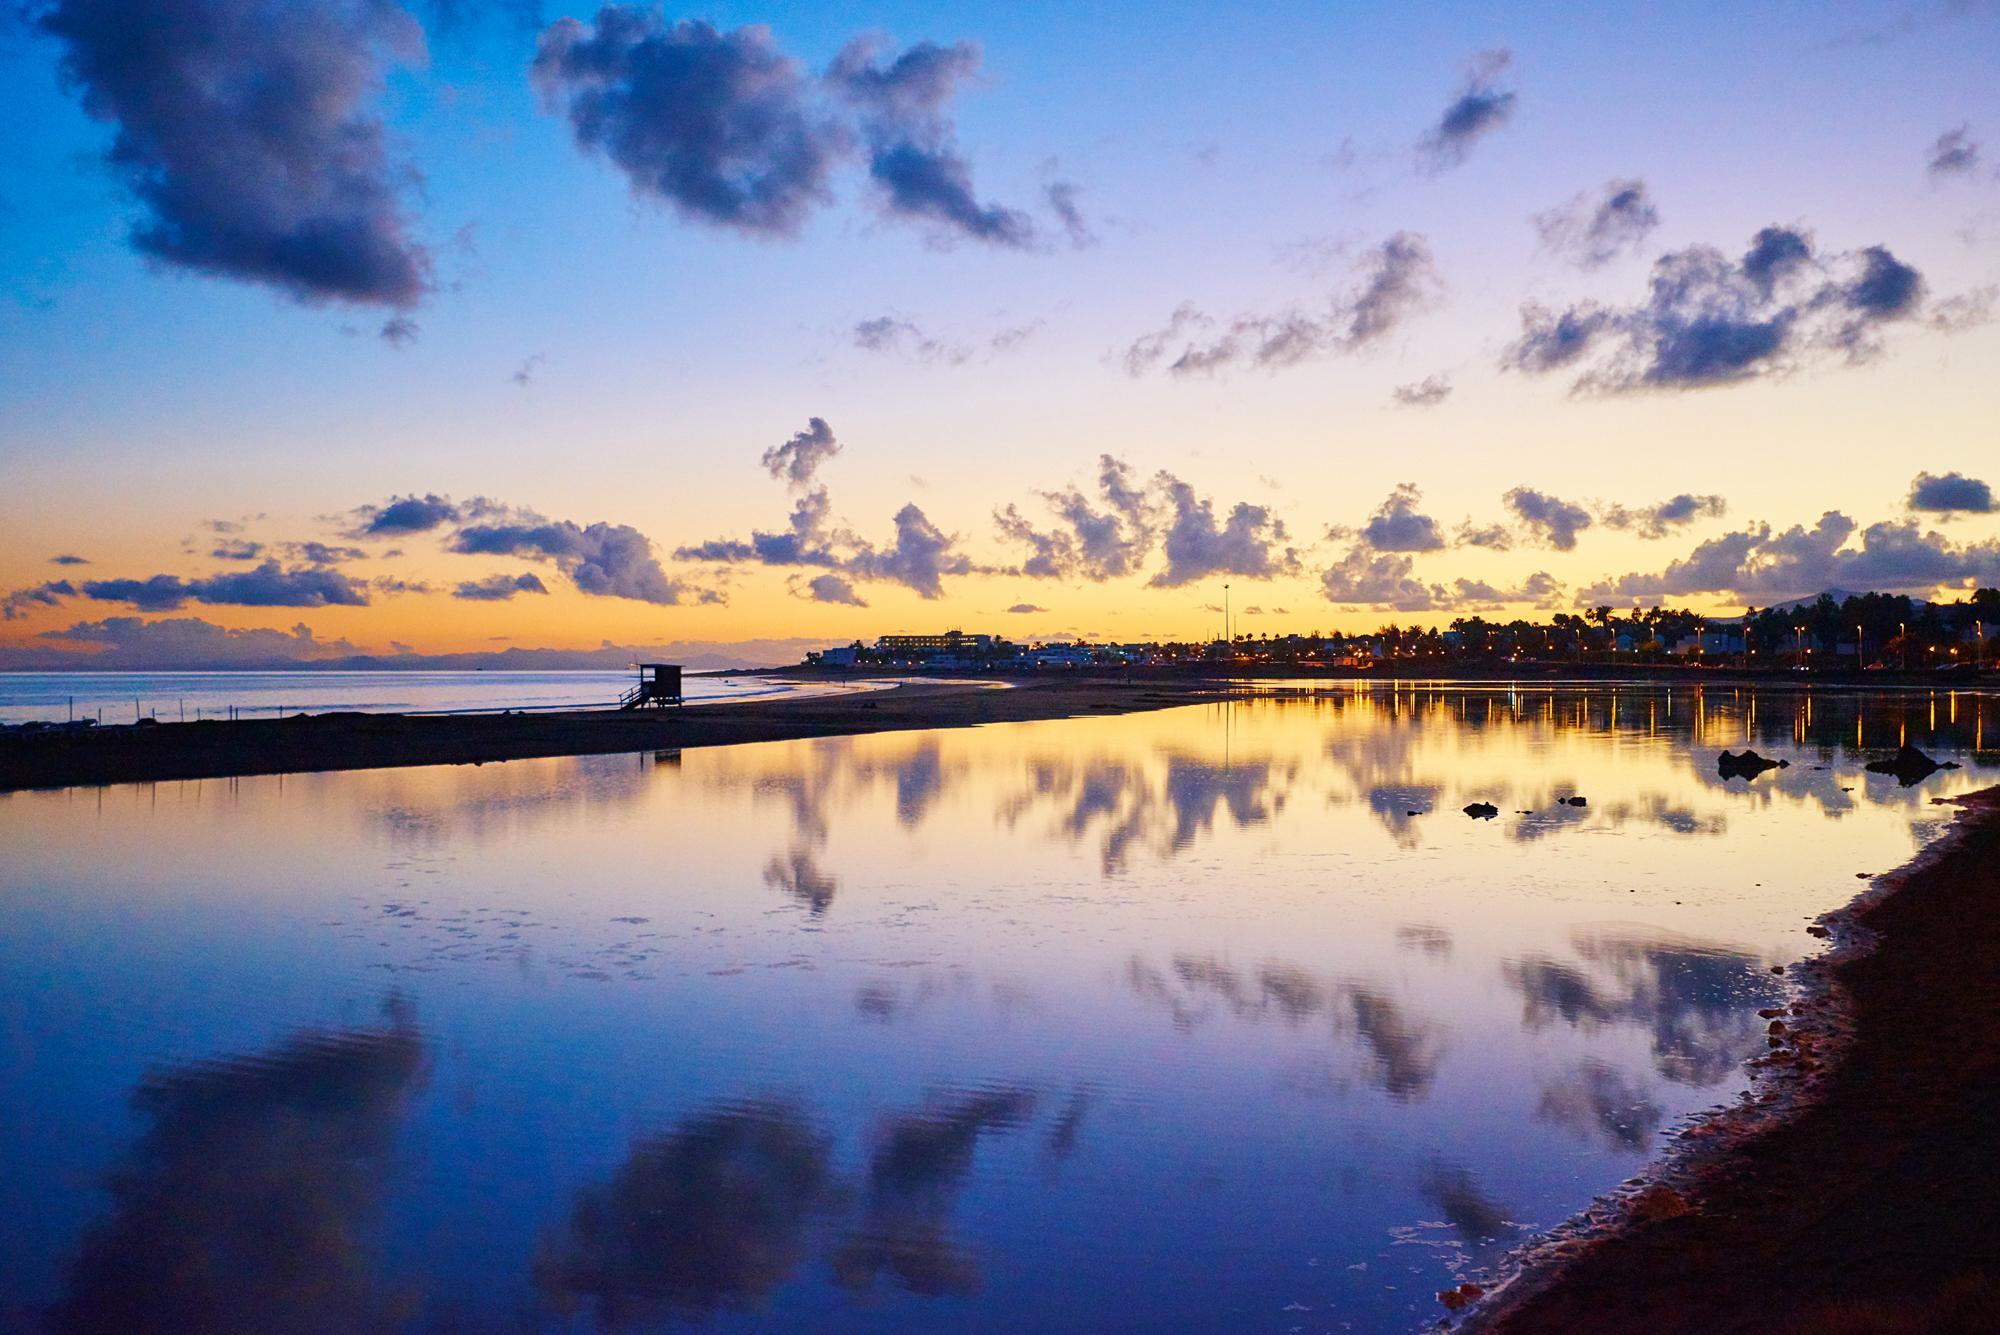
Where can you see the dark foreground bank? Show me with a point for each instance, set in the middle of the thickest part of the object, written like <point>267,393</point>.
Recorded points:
<point>1876,1207</point>
<point>218,749</point>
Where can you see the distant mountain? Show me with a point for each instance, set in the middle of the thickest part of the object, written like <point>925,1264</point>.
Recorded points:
<point>1838,596</point>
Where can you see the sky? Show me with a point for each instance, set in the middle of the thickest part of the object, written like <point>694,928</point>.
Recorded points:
<point>342,326</point>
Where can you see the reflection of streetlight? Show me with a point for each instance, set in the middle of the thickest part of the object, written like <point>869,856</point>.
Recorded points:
<point>1800,651</point>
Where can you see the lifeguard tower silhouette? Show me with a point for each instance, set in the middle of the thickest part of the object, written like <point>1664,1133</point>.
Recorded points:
<point>659,686</point>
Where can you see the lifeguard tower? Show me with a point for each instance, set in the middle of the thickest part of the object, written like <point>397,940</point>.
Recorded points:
<point>659,686</point>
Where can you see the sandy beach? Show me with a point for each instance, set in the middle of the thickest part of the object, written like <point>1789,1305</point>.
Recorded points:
<point>1866,1201</point>
<point>217,749</point>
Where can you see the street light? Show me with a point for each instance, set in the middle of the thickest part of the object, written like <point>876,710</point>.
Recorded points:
<point>1859,660</point>
<point>1903,638</point>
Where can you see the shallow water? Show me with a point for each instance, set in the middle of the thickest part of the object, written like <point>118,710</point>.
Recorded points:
<point>1167,1021</point>
<point>125,697</point>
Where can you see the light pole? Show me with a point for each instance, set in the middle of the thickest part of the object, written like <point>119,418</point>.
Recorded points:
<point>1903,638</point>
<point>1227,638</point>
<point>1860,661</point>
<point>1799,651</point>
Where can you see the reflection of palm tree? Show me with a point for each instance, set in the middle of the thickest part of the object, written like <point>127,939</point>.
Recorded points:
<point>246,1204</point>
<point>713,1215</point>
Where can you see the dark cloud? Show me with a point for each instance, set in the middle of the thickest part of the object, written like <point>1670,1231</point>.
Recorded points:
<point>799,458</point>
<point>1710,320</point>
<point>1761,564</point>
<point>886,333</point>
<point>1552,521</point>
<point>1592,230</point>
<point>246,132</point>
<point>1092,543</point>
<point>1372,579</point>
<point>66,559</point>
<point>1951,493</point>
<point>1953,153</point>
<point>192,642</point>
<point>1062,198</point>
<point>1657,521</point>
<point>1023,609</point>
<point>812,540</point>
<point>324,554</point>
<point>1398,526</point>
<point>720,126</point>
<point>237,549</point>
<point>1480,108</point>
<point>1426,393</point>
<point>831,588</point>
<point>499,588</point>
<point>404,514</point>
<point>1250,542</point>
<point>921,556</point>
<point>1392,282</point>
<point>1494,537</point>
<point>20,602</point>
<point>913,156</point>
<point>399,331</point>
<point>268,585</point>
<point>605,560</point>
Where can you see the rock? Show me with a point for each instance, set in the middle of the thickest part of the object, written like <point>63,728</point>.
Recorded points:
<point>1746,766</point>
<point>1413,813</point>
<point>1465,1293</point>
<point>1576,801</point>
<point>1659,1201</point>
<point>1482,811</point>
<point>1819,931</point>
<point>1909,766</point>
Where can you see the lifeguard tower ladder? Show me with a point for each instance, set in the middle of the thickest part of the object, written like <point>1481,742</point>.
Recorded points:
<point>659,686</point>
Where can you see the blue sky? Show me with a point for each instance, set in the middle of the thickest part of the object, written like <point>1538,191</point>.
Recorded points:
<point>1247,164</point>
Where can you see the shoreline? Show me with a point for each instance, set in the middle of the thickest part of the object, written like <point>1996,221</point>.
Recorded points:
<point>1851,1189</point>
<point>215,748</point>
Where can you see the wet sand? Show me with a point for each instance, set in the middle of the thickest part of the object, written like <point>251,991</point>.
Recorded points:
<point>218,749</point>
<point>1871,1201</point>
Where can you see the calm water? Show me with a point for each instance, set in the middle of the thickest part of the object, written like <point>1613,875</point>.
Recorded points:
<point>122,697</point>
<point>1172,1021</point>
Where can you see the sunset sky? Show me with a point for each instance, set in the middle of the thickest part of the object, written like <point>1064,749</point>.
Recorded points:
<point>464,326</point>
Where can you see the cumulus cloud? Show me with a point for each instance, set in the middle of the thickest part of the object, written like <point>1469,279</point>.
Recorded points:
<point>1657,521</point>
<point>1387,581</point>
<point>322,554</point>
<point>920,557</point>
<point>1024,609</point>
<point>1097,539</point>
<point>1398,526</point>
<point>1711,320</point>
<point>1494,537</point>
<point>20,602</point>
<point>1480,108</point>
<point>1951,493</point>
<point>1758,563</point>
<point>1551,521</point>
<point>1594,229</point>
<point>1250,542</point>
<point>1426,393</point>
<point>499,588</point>
<point>913,156</point>
<point>266,585</point>
<point>604,560</point>
<point>247,133</point>
<point>401,515</point>
<point>237,549</point>
<point>1391,282</point>
<point>719,126</point>
<point>1953,153</point>
<point>798,459</point>
<point>831,588</point>
<point>68,559</point>
<point>192,642</point>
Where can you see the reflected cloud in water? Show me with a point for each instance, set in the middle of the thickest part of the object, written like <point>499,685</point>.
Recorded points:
<point>798,874</point>
<point>251,1200</point>
<point>1595,1101</point>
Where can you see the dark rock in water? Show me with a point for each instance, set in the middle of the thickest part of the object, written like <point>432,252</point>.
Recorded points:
<point>1482,811</point>
<point>1746,766</point>
<point>1576,801</point>
<point>1908,766</point>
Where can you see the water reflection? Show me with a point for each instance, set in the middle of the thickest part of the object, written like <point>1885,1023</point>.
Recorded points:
<point>250,1201</point>
<point>1594,1100</point>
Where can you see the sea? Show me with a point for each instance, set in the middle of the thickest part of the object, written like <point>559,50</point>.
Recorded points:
<point>1222,1017</point>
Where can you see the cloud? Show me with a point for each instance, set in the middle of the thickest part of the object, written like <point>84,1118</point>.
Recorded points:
<point>887,334</point>
<point>1025,608</point>
<point>810,541</point>
<point>267,585</point>
<point>68,559</point>
<point>237,549</point>
<point>530,367</point>
<point>322,554</point>
<point>1426,393</point>
<point>1592,230</point>
<point>831,588</point>
<point>1480,108</point>
<point>1247,543</point>
<point>719,126</point>
<point>1092,543</point>
<point>499,588</point>
<point>190,641</point>
<point>1953,153</point>
<point>913,156</point>
<point>1549,520</point>
<point>1062,198</point>
<point>1758,563</point>
<point>1373,579</point>
<point>1392,281</point>
<point>1709,320</point>
<point>1951,493</point>
<point>1657,521</point>
<point>604,560</point>
<point>399,331</point>
<point>921,556</point>
<point>20,602</point>
<point>1494,537</point>
<point>799,458</point>
<point>404,514</point>
<point>1398,527</point>
<point>245,131</point>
